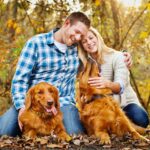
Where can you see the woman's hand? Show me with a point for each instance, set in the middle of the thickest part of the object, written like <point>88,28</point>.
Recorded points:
<point>99,82</point>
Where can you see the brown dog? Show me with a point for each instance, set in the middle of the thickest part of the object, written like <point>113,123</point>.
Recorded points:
<point>99,112</point>
<point>42,114</point>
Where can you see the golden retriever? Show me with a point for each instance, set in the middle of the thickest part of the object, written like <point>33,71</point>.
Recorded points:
<point>99,112</point>
<point>42,114</point>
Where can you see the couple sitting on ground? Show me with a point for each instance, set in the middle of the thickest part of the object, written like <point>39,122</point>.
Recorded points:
<point>54,58</point>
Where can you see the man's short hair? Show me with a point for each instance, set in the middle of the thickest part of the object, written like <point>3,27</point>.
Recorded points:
<point>79,16</point>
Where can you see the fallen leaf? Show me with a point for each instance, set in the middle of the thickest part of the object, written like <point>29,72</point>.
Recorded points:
<point>126,148</point>
<point>54,146</point>
<point>76,142</point>
<point>107,146</point>
<point>86,141</point>
<point>8,141</point>
<point>42,141</point>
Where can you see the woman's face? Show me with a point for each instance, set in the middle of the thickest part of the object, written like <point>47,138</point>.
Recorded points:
<point>89,43</point>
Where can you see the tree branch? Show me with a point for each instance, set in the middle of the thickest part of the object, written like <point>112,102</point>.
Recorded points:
<point>130,27</point>
<point>28,16</point>
<point>116,23</point>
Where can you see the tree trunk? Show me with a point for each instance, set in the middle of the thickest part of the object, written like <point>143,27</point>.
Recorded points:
<point>115,13</point>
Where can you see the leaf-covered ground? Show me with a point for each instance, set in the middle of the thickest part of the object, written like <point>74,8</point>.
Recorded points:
<point>80,142</point>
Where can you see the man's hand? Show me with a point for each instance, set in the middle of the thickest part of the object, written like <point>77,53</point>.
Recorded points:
<point>128,59</point>
<point>19,122</point>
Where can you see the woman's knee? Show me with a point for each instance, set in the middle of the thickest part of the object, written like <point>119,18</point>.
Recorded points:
<point>137,114</point>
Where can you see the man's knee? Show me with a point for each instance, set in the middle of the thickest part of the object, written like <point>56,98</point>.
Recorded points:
<point>9,123</point>
<point>71,120</point>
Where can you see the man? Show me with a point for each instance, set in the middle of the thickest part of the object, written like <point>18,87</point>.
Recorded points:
<point>50,57</point>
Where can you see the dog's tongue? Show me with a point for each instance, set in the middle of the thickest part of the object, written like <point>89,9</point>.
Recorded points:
<point>52,109</point>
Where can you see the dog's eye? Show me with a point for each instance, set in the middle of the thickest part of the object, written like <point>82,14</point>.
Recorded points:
<point>40,92</point>
<point>50,90</point>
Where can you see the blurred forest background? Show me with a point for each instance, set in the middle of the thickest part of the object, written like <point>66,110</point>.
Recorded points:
<point>122,27</point>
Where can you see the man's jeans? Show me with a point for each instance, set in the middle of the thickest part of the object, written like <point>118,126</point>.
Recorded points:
<point>9,124</point>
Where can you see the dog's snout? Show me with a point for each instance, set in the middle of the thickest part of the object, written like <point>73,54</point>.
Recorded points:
<point>49,103</point>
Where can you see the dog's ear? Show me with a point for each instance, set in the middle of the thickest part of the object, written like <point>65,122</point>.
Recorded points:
<point>94,72</point>
<point>83,81</point>
<point>29,98</point>
<point>56,96</point>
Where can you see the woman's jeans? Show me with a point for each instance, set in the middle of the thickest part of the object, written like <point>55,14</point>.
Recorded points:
<point>137,114</point>
<point>9,123</point>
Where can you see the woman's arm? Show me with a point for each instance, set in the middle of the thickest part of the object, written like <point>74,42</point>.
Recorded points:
<point>120,77</point>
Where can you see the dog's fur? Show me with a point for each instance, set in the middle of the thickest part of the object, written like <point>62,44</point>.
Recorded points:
<point>99,112</point>
<point>42,114</point>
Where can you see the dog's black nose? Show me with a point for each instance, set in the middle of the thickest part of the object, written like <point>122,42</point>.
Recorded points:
<point>49,103</point>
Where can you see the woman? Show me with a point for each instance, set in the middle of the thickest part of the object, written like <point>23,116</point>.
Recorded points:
<point>114,75</point>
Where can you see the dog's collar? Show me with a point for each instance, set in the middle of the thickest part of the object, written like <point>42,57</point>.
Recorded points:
<point>98,96</point>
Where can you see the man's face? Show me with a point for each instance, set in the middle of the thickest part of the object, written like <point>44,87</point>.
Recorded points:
<point>74,33</point>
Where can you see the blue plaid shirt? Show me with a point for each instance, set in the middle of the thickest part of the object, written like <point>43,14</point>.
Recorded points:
<point>40,61</point>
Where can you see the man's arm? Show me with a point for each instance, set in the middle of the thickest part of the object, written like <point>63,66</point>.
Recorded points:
<point>128,58</point>
<point>22,75</point>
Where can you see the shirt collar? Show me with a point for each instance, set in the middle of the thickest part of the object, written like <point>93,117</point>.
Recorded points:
<point>50,38</point>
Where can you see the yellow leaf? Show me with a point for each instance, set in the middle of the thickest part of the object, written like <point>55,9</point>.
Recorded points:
<point>148,6</point>
<point>40,29</point>
<point>15,25</point>
<point>10,23</point>
<point>97,2</point>
<point>143,35</point>
<point>18,30</point>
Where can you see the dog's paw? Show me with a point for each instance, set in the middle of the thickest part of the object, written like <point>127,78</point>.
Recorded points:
<point>104,137</point>
<point>31,134</point>
<point>105,140</point>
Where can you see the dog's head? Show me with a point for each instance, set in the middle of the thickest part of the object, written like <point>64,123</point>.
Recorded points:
<point>43,97</point>
<point>86,91</point>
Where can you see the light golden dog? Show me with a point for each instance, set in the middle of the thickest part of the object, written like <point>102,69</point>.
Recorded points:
<point>42,114</point>
<point>99,112</point>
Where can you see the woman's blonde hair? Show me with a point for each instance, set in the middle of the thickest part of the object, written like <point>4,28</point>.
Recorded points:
<point>102,48</point>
